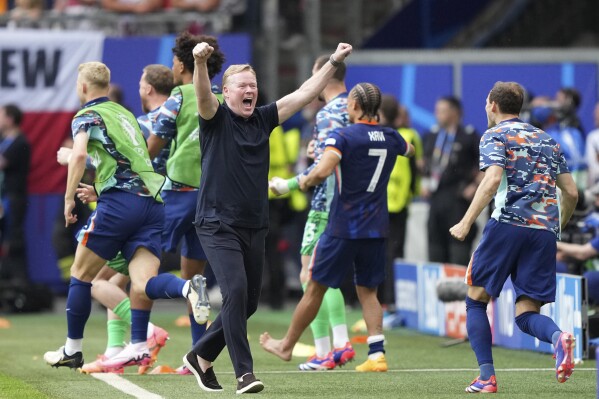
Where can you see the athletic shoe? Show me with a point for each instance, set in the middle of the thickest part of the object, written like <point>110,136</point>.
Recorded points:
<point>564,357</point>
<point>344,355</point>
<point>206,380</point>
<point>59,358</point>
<point>479,386</point>
<point>130,356</point>
<point>96,367</point>
<point>249,384</point>
<point>156,341</point>
<point>379,364</point>
<point>198,297</point>
<point>183,370</point>
<point>316,363</point>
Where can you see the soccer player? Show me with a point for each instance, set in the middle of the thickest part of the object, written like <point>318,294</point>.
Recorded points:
<point>129,216</point>
<point>174,141</point>
<point>155,86</point>
<point>522,165</point>
<point>332,116</point>
<point>109,285</point>
<point>361,156</point>
<point>232,210</point>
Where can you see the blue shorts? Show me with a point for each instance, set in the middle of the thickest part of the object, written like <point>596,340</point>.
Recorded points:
<point>333,257</point>
<point>123,222</point>
<point>525,254</point>
<point>179,214</point>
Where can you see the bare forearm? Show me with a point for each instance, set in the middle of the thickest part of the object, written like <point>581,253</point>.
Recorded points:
<point>203,89</point>
<point>483,196</point>
<point>76,170</point>
<point>567,205</point>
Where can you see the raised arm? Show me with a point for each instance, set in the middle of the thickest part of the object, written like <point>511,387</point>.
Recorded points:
<point>293,102</point>
<point>207,101</point>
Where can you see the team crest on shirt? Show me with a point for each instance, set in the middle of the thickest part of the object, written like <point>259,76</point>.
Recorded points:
<point>129,129</point>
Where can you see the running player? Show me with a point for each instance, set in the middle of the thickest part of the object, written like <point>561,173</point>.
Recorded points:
<point>362,156</point>
<point>128,217</point>
<point>525,164</point>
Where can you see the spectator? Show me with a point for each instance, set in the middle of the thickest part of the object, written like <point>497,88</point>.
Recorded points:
<point>451,178</point>
<point>75,7</point>
<point>583,252</point>
<point>196,5</point>
<point>568,135</point>
<point>15,154</point>
<point>132,6</point>
<point>27,13</point>
<point>592,151</point>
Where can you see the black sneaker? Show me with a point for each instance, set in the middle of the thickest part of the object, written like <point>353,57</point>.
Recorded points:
<point>206,380</point>
<point>249,384</point>
<point>58,358</point>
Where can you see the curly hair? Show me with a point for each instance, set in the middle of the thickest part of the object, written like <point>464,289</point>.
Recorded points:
<point>368,97</point>
<point>183,50</point>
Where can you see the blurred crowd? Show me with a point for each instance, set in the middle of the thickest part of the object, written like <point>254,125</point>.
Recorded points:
<point>129,16</point>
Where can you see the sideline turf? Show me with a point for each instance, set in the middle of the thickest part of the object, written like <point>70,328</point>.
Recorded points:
<point>24,374</point>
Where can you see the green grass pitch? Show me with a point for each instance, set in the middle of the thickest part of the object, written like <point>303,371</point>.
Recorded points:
<point>419,366</point>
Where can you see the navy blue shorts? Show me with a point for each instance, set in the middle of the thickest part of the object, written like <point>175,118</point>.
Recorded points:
<point>333,257</point>
<point>525,254</point>
<point>179,214</point>
<point>123,222</point>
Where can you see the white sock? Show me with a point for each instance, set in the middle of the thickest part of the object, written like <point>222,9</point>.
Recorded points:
<point>323,346</point>
<point>113,351</point>
<point>185,289</point>
<point>73,346</point>
<point>150,330</point>
<point>371,340</point>
<point>340,336</point>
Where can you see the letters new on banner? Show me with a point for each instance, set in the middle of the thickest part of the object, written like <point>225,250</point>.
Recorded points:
<point>423,311</point>
<point>38,72</point>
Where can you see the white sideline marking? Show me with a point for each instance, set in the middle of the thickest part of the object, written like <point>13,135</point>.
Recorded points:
<point>512,370</point>
<point>125,386</point>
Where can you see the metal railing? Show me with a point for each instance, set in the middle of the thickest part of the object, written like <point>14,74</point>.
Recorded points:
<point>117,24</point>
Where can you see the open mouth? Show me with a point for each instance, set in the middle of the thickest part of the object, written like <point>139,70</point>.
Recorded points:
<point>247,102</point>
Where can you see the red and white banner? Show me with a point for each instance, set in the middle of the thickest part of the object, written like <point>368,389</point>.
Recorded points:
<point>38,73</point>
<point>38,69</point>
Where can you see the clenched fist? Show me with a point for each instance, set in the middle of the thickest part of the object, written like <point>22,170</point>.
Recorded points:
<point>202,51</point>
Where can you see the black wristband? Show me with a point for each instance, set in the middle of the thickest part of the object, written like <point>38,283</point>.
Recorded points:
<point>333,62</point>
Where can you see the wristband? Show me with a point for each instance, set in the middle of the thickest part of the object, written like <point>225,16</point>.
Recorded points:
<point>292,184</point>
<point>333,62</point>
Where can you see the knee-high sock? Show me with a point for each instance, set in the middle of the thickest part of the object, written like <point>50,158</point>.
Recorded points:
<point>116,329</point>
<point>479,334</point>
<point>335,303</point>
<point>537,325</point>
<point>123,310</point>
<point>165,286</point>
<point>139,325</point>
<point>79,307</point>
<point>320,330</point>
<point>197,330</point>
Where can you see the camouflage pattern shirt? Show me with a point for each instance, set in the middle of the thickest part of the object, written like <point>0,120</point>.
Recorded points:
<point>531,160</point>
